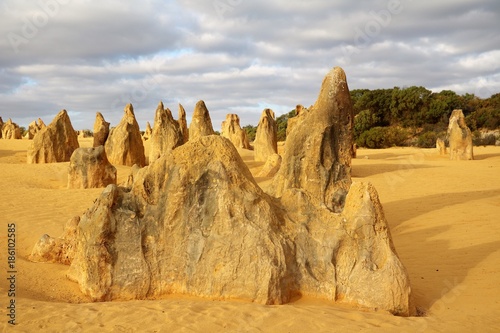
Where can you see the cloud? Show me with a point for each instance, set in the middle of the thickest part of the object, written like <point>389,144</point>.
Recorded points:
<point>239,56</point>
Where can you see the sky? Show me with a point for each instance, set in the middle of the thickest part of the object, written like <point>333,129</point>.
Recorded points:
<point>239,56</point>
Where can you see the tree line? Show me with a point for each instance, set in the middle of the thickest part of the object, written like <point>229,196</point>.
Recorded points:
<point>409,116</point>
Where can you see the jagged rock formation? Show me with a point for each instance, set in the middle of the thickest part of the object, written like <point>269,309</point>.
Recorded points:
<point>101,130</point>
<point>441,146</point>
<point>148,132</point>
<point>57,250</point>
<point>166,134</point>
<point>232,130</point>
<point>54,143</point>
<point>201,124</point>
<point>318,151</point>
<point>1,127</point>
<point>266,136</point>
<point>90,168</point>
<point>459,137</point>
<point>300,112</point>
<point>34,127</point>
<point>271,167</point>
<point>11,130</point>
<point>196,222</point>
<point>124,144</point>
<point>183,123</point>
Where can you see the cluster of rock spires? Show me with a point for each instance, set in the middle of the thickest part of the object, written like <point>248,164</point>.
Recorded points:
<point>195,221</point>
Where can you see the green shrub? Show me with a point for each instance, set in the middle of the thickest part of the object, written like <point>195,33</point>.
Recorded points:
<point>373,138</point>
<point>383,137</point>
<point>427,140</point>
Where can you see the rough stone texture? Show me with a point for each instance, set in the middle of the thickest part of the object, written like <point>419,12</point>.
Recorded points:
<point>11,130</point>
<point>441,146</point>
<point>166,134</point>
<point>57,250</point>
<point>1,127</point>
<point>201,124</point>
<point>183,124</point>
<point>271,167</point>
<point>195,222</point>
<point>148,132</point>
<point>90,168</point>
<point>124,144</point>
<point>54,143</point>
<point>101,130</point>
<point>34,127</point>
<point>300,112</point>
<point>266,139</point>
<point>318,151</point>
<point>232,130</point>
<point>459,137</point>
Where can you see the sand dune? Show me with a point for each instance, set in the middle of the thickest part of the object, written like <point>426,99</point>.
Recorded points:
<point>445,223</point>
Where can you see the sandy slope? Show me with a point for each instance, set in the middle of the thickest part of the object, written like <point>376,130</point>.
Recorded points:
<point>444,217</point>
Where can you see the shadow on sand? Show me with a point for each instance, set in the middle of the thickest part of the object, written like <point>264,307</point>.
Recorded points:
<point>432,282</point>
<point>374,169</point>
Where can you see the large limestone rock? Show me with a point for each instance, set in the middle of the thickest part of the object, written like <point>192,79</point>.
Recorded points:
<point>101,130</point>
<point>201,124</point>
<point>459,137</point>
<point>266,136</point>
<point>183,123</point>
<point>232,130</point>
<point>124,145</point>
<point>195,222</point>
<point>11,130</point>
<point>317,156</point>
<point>90,168</point>
<point>192,222</point>
<point>54,143</point>
<point>165,135</point>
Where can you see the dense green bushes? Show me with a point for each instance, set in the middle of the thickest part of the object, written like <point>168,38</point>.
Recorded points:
<point>383,137</point>
<point>408,116</point>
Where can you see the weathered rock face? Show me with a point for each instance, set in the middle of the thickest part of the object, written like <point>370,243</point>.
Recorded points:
<point>101,130</point>
<point>166,134</point>
<point>90,168</point>
<point>201,124</point>
<point>11,130</point>
<point>148,132</point>
<point>459,137</point>
<point>195,222</point>
<point>266,136</point>
<point>441,146</point>
<point>271,167</point>
<point>183,123</point>
<point>34,127</point>
<point>300,111</point>
<point>124,144</point>
<point>54,143</point>
<point>232,130</point>
<point>1,127</point>
<point>318,151</point>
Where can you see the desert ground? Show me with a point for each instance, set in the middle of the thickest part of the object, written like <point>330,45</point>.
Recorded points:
<point>445,223</point>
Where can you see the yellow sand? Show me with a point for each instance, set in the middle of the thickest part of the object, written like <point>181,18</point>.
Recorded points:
<point>445,222</point>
